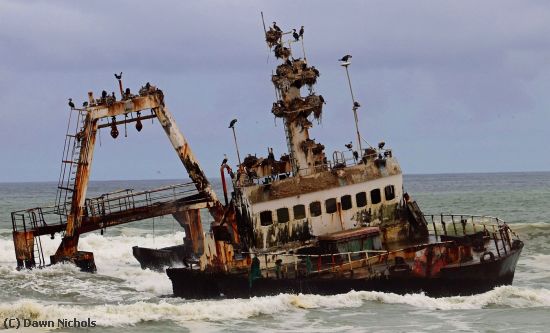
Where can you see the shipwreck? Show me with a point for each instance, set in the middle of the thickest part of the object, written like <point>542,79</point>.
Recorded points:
<point>304,222</point>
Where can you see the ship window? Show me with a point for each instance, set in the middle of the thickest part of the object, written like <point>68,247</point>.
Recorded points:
<point>282,215</point>
<point>299,212</point>
<point>389,192</point>
<point>361,199</point>
<point>315,208</point>
<point>266,218</point>
<point>375,196</point>
<point>346,202</point>
<point>330,205</point>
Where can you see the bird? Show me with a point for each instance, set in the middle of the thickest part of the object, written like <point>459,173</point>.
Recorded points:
<point>104,94</point>
<point>356,105</point>
<point>71,104</point>
<point>302,32</point>
<point>355,155</point>
<point>295,35</point>
<point>315,70</point>
<point>322,99</point>
<point>119,76</point>
<point>276,27</point>
<point>349,145</point>
<point>345,58</point>
<point>232,123</point>
<point>224,159</point>
<point>85,104</point>
<point>288,62</point>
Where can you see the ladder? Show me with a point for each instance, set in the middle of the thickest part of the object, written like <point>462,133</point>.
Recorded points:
<point>69,162</point>
<point>37,220</point>
<point>288,135</point>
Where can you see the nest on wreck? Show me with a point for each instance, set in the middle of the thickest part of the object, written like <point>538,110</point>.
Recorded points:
<point>147,89</point>
<point>281,51</point>
<point>272,37</point>
<point>299,107</point>
<point>296,74</point>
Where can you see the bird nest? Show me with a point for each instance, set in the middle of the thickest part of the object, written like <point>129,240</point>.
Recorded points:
<point>296,74</point>
<point>281,52</point>
<point>272,37</point>
<point>299,107</point>
<point>147,89</point>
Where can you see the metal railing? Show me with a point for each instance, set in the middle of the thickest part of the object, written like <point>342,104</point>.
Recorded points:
<point>458,225</point>
<point>108,203</point>
<point>299,265</point>
<point>127,199</point>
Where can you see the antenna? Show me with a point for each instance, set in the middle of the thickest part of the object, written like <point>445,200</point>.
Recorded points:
<point>345,63</point>
<point>265,33</point>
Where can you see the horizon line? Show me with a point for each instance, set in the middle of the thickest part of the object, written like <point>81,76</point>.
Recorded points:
<point>404,174</point>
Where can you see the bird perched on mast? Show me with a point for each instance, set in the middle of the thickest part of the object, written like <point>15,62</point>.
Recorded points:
<point>119,76</point>
<point>356,104</point>
<point>345,58</point>
<point>295,35</point>
<point>71,104</point>
<point>276,27</point>
<point>232,123</point>
<point>302,32</point>
<point>224,159</point>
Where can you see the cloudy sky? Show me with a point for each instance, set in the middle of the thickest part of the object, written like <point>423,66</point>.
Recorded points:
<point>451,86</point>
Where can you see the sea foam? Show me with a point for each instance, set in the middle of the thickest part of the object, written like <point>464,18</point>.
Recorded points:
<point>181,311</point>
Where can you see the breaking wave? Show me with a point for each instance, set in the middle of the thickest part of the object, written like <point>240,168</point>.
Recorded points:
<point>181,311</point>
<point>119,275</point>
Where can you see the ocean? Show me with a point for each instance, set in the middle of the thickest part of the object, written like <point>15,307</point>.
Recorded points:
<point>121,296</point>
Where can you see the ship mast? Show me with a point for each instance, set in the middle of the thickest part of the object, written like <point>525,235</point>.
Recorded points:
<point>356,104</point>
<point>307,156</point>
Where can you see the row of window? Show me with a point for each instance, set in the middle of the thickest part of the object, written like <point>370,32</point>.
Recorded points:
<point>299,211</point>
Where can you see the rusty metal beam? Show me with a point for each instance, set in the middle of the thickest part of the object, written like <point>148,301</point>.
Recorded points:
<point>135,104</point>
<point>189,160</point>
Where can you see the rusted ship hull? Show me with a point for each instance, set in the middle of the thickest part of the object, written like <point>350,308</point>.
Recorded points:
<point>158,259</point>
<point>468,279</point>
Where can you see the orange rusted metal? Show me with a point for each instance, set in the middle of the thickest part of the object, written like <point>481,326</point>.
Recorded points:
<point>190,220</point>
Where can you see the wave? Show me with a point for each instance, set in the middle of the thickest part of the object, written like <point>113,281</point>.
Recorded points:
<point>181,311</point>
<point>118,277</point>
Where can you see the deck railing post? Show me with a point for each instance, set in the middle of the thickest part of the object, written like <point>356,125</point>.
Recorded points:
<point>501,232</point>
<point>496,243</point>
<point>435,228</point>
<point>454,225</point>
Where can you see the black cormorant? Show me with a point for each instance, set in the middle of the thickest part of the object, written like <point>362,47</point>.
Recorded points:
<point>71,104</point>
<point>322,99</point>
<point>295,35</point>
<point>119,76</point>
<point>276,27</point>
<point>302,31</point>
<point>345,58</point>
<point>232,123</point>
<point>85,104</point>
<point>356,105</point>
<point>224,160</point>
<point>349,145</point>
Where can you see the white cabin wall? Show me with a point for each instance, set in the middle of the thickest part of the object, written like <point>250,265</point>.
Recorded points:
<point>327,223</point>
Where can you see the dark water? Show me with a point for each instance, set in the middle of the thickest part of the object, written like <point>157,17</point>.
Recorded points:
<point>123,297</point>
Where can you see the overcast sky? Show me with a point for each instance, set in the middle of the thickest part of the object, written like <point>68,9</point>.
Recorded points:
<point>451,86</point>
